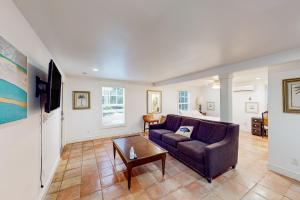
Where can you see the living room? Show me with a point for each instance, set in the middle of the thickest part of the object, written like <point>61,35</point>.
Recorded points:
<point>209,65</point>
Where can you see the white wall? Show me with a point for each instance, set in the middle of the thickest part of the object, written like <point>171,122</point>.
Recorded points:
<point>207,94</point>
<point>240,98</point>
<point>20,141</point>
<point>86,124</point>
<point>284,134</point>
<point>170,97</point>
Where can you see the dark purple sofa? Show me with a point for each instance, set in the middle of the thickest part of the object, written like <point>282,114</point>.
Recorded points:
<point>211,150</point>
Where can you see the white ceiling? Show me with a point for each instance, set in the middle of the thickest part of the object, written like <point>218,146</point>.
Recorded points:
<point>153,40</point>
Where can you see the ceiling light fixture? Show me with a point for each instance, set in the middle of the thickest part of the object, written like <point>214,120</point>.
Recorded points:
<point>216,85</point>
<point>95,70</point>
<point>257,78</point>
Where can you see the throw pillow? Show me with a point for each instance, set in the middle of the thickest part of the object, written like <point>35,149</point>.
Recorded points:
<point>185,131</point>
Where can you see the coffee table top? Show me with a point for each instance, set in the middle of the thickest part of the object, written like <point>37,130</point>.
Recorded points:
<point>143,148</point>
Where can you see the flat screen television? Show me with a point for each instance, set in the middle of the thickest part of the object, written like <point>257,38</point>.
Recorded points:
<point>53,88</point>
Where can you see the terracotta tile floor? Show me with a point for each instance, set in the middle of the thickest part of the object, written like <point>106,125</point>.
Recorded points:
<point>87,171</point>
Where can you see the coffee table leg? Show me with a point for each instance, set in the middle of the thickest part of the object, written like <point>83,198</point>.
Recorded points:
<point>163,162</point>
<point>114,151</point>
<point>129,169</point>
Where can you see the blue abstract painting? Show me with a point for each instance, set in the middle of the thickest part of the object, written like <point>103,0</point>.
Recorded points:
<point>13,83</point>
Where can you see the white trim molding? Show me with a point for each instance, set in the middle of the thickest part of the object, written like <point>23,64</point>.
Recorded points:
<point>44,191</point>
<point>285,172</point>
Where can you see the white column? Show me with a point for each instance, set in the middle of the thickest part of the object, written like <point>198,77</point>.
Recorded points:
<point>226,97</point>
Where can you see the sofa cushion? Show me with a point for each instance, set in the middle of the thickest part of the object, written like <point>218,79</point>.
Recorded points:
<point>172,139</point>
<point>173,122</point>
<point>186,121</point>
<point>210,132</point>
<point>194,149</point>
<point>157,133</point>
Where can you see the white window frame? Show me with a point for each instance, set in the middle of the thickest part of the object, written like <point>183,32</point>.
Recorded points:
<point>184,103</point>
<point>124,105</point>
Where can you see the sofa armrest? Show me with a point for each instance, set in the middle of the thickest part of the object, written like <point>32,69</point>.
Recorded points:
<point>222,155</point>
<point>157,126</point>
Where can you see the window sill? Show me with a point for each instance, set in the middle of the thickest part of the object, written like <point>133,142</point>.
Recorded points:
<point>114,126</point>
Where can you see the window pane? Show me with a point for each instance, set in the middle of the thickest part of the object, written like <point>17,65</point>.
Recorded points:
<point>120,91</point>
<point>183,99</point>
<point>113,108</point>
<point>104,99</point>
<point>113,92</point>
<point>113,100</point>
<point>120,100</point>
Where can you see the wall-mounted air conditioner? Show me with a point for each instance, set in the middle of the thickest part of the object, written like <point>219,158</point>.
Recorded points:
<point>245,88</point>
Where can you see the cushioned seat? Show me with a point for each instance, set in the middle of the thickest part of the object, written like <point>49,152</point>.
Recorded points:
<point>210,132</point>
<point>157,133</point>
<point>212,147</point>
<point>172,139</point>
<point>193,149</point>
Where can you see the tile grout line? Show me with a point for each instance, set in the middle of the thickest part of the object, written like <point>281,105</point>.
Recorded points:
<point>98,171</point>
<point>72,169</point>
<point>64,172</point>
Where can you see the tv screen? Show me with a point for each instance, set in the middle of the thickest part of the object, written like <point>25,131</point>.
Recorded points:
<point>53,88</point>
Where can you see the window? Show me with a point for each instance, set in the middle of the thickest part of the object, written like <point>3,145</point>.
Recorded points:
<point>183,100</point>
<point>113,106</point>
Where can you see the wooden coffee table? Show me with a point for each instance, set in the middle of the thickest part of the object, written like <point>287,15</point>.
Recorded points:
<point>145,150</point>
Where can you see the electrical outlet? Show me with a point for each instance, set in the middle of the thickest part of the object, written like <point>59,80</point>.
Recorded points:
<point>295,162</point>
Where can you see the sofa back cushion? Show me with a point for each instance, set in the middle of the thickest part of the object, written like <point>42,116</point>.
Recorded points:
<point>186,121</point>
<point>173,122</point>
<point>210,132</point>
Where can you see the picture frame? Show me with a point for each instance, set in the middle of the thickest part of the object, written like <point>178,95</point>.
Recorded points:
<point>81,100</point>
<point>154,101</point>
<point>291,95</point>
<point>13,83</point>
<point>252,107</point>
<point>211,106</point>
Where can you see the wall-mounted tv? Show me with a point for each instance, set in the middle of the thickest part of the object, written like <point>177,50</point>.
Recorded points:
<point>53,88</point>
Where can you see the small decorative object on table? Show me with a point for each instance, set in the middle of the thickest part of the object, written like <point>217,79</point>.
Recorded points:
<point>291,95</point>
<point>132,154</point>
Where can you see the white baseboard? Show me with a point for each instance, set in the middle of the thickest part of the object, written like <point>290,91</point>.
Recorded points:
<point>285,172</point>
<point>81,139</point>
<point>47,184</point>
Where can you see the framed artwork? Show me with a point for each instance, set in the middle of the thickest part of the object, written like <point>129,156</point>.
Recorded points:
<point>252,107</point>
<point>13,83</point>
<point>211,105</point>
<point>154,101</point>
<point>81,100</point>
<point>291,95</point>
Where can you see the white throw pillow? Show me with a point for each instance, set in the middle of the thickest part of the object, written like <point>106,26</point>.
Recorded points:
<point>185,131</point>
